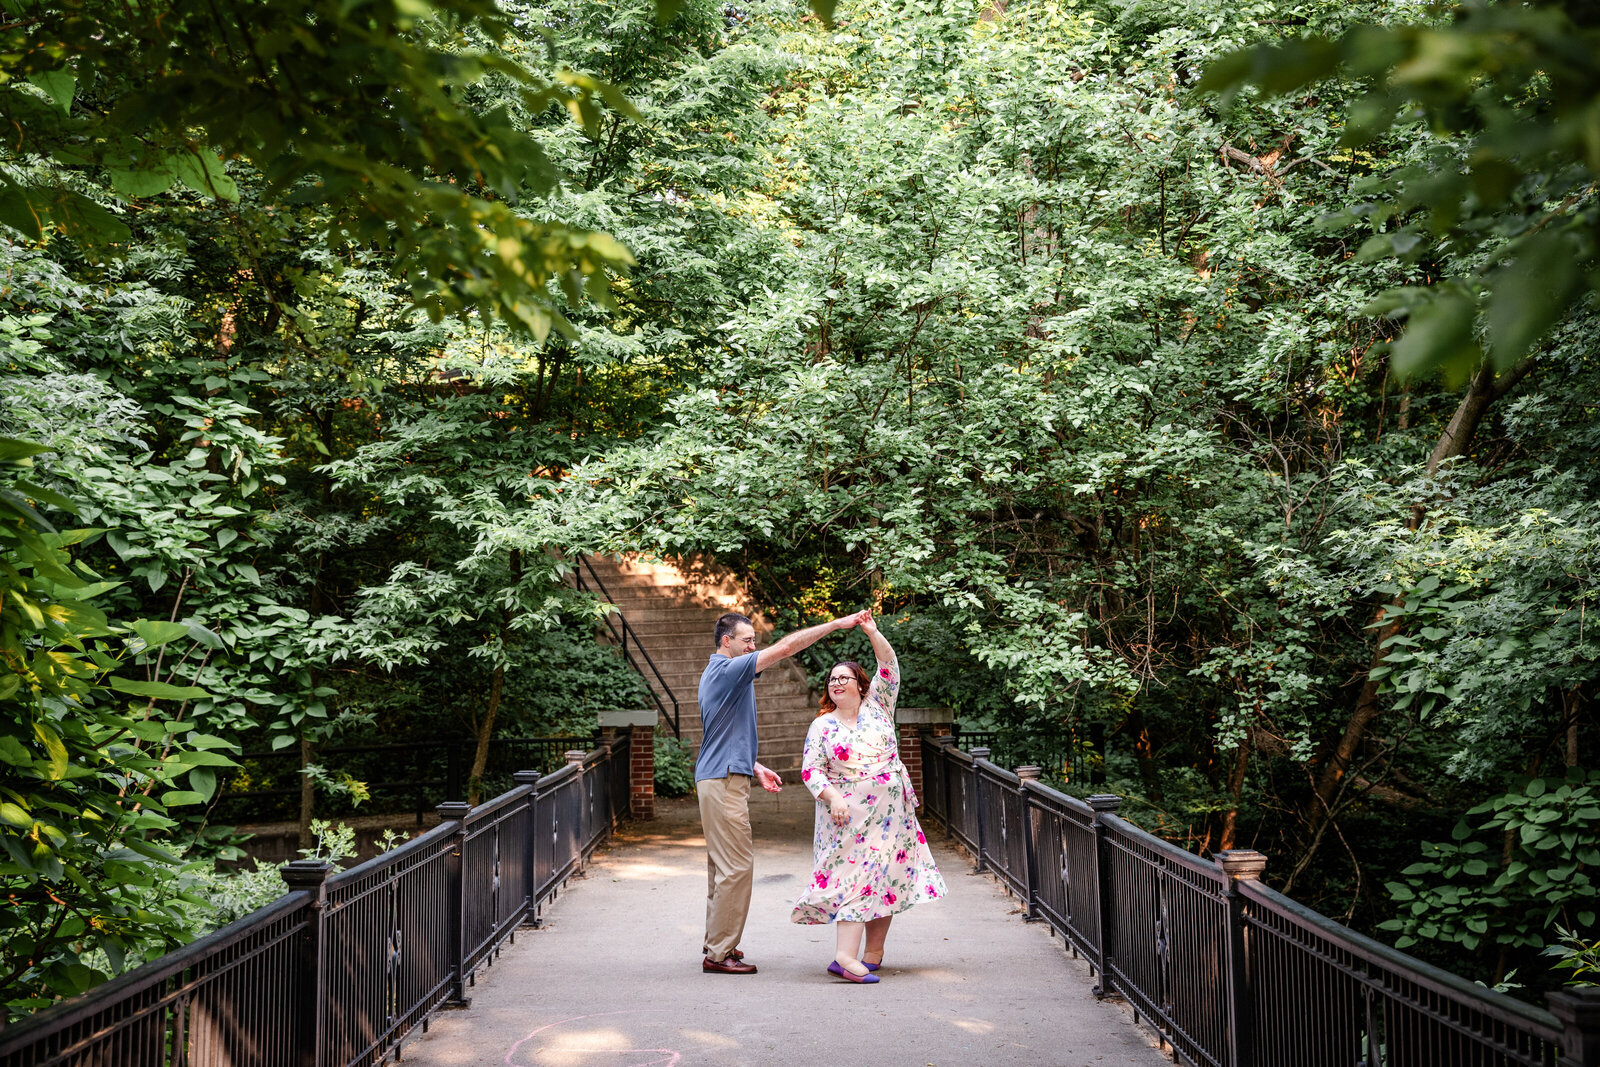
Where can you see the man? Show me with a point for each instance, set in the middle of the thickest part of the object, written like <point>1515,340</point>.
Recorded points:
<point>723,772</point>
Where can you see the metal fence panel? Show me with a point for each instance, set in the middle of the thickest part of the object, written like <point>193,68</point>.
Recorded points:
<point>345,972</point>
<point>230,999</point>
<point>1233,974</point>
<point>1064,849</point>
<point>1325,995</point>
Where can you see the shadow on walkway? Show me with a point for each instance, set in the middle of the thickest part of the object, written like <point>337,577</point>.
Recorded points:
<point>613,978</point>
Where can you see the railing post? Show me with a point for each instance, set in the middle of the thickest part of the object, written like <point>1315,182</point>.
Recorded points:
<point>977,799</point>
<point>580,809</point>
<point>945,743</point>
<point>456,917</point>
<point>312,876</point>
<point>1578,1009</point>
<point>1029,773</point>
<point>1239,865</point>
<point>528,778</point>
<point>1103,804</point>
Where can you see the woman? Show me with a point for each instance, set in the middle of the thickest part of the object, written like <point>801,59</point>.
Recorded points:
<point>872,860</point>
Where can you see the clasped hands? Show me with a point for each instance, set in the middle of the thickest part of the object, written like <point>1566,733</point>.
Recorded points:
<point>839,811</point>
<point>862,618</point>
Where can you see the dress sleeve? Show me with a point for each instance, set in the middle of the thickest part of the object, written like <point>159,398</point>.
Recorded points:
<point>886,685</point>
<point>814,766</point>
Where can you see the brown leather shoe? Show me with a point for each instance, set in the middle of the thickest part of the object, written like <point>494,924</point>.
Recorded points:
<point>727,966</point>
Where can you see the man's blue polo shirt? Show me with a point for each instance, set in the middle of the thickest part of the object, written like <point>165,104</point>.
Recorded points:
<point>727,717</point>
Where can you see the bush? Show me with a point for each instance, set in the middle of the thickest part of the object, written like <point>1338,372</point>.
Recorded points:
<point>674,767</point>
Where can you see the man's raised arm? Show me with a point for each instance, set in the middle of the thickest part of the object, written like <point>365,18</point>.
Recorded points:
<point>801,639</point>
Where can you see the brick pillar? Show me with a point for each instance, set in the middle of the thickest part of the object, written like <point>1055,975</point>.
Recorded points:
<point>641,727</point>
<point>913,723</point>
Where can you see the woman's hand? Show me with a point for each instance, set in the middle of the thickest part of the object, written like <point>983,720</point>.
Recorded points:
<point>839,811</point>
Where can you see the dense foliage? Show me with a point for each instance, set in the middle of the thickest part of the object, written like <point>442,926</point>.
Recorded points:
<point>320,352</point>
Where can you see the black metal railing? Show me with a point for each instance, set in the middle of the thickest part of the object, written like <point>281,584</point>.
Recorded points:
<point>622,634</point>
<point>417,775</point>
<point>1078,759</point>
<point>1231,973</point>
<point>342,969</point>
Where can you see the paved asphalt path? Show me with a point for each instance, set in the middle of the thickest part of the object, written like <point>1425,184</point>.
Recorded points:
<point>613,977</point>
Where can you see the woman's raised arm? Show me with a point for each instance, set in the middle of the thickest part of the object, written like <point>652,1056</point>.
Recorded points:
<point>880,644</point>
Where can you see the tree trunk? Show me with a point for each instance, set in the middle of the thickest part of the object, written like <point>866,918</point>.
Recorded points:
<point>480,756</point>
<point>1482,391</point>
<point>485,732</point>
<point>1144,749</point>
<point>308,791</point>
<point>1230,818</point>
<point>1569,705</point>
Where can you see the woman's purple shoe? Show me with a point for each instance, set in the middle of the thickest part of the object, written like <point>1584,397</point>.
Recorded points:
<point>861,979</point>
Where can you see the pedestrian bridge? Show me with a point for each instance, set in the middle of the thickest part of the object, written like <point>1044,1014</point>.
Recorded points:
<point>1070,937</point>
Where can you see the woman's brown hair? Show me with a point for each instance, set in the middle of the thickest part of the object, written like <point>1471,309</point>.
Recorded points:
<point>863,679</point>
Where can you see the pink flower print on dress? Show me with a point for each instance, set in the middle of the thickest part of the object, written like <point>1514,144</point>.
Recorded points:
<point>884,672</point>
<point>884,777</point>
<point>932,892</point>
<point>841,753</point>
<point>821,879</point>
<point>900,857</point>
<point>872,798</point>
<point>889,897</point>
<point>920,839</point>
<point>805,775</point>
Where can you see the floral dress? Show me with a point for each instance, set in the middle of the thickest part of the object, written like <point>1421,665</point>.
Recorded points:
<point>878,863</point>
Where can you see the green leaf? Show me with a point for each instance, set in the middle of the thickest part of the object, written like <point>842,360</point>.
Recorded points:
<point>199,758</point>
<point>203,780</point>
<point>144,181</point>
<point>201,170</point>
<point>1438,338</point>
<point>22,213</point>
<point>155,633</point>
<point>47,496</point>
<point>13,752</point>
<point>1530,293</point>
<point>54,748</point>
<point>58,85</point>
<point>158,690</point>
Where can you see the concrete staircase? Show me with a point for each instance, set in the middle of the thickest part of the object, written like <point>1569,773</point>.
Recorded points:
<point>672,607</point>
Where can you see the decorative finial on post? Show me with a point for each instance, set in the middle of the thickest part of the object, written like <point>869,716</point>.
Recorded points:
<point>1029,773</point>
<point>1241,864</point>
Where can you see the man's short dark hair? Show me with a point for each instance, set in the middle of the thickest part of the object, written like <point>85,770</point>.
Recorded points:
<point>727,624</point>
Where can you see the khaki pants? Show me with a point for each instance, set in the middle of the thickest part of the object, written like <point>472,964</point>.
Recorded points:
<point>730,860</point>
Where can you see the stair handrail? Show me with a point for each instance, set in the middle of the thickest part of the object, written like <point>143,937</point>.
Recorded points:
<point>621,637</point>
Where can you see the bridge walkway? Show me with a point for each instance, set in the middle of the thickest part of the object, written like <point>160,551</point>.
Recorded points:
<point>612,978</point>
